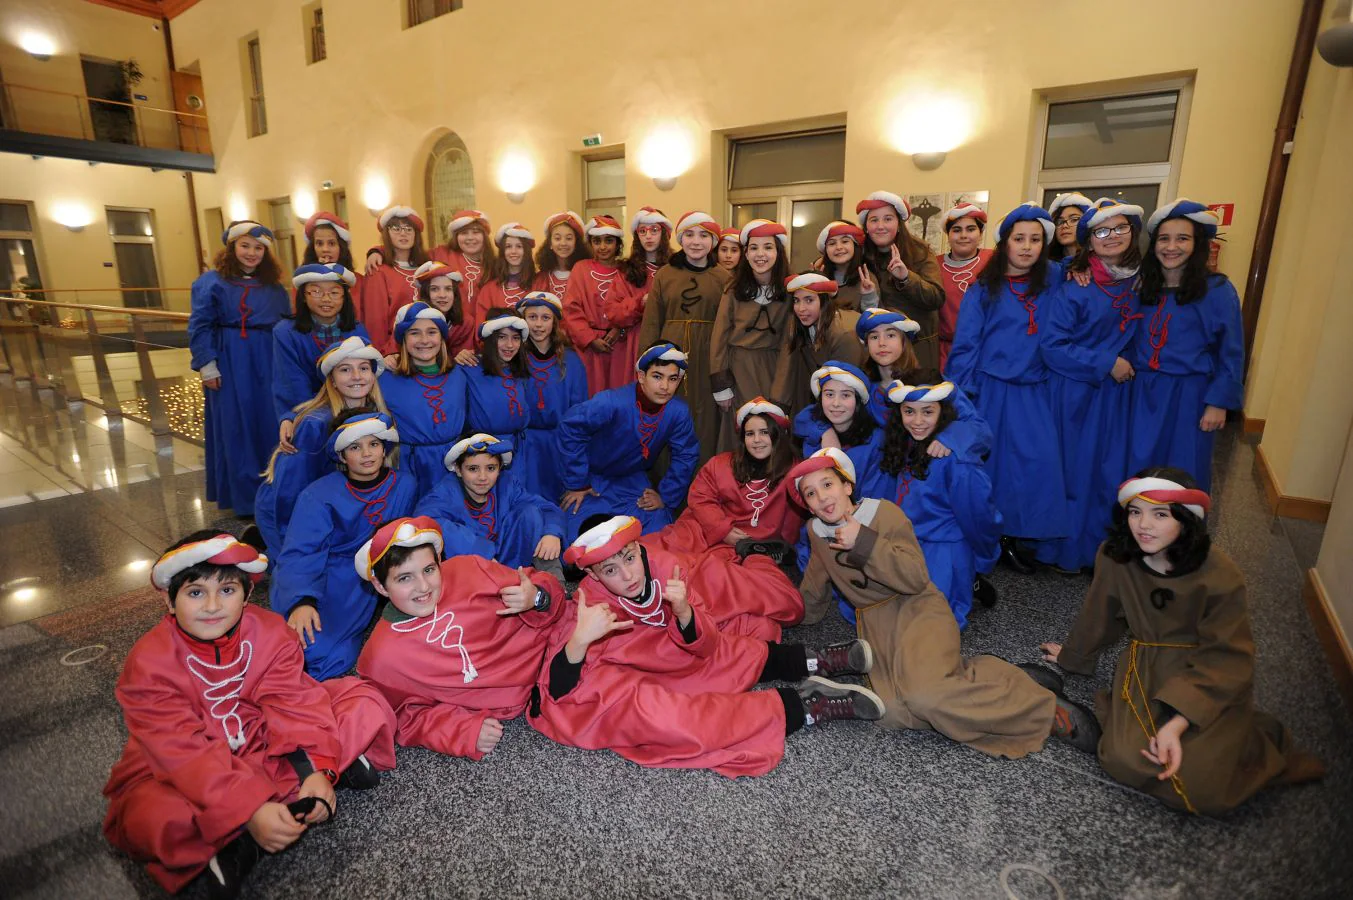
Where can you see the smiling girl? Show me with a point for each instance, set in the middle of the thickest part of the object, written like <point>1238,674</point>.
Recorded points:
<point>965,225</point>
<point>468,251</point>
<point>558,383</point>
<point>592,285</point>
<point>325,316</point>
<point>392,285</point>
<point>512,274</point>
<point>439,287</point>
<point>1066,211</point>
<point>328,240</point>
<point>565,245</point>
<point>496,387</point>
<point>841,244</point>
<point>909,279</point>
<point>822,330</point>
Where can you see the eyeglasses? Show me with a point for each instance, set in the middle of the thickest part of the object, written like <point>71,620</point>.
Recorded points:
<point>317,292</point>
<point>648,230</point>
<point>400,229</point>
<point>1068,221</point>
<point>1104,232</point>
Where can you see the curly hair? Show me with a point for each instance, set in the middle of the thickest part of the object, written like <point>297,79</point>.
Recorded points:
<point>902,452</point>
<point>269,271</point>
<point>1189,550</point>
<point>635,266</point>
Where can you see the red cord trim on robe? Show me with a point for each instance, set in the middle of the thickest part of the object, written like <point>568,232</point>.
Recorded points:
<point>374,511</point>
<point>513,401</point>
<point>244,312</point>
<point>648,426</point>
<point>485,515</point>
<point>1028,300</point>
<point>962,276</point>
<point>432,393</point>
<point>541,371</point>
<point>903,486</point>
<point>1123,303</point>
<point>1159,326</point>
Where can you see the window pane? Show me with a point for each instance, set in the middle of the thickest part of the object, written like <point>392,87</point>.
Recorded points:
<point>615,211</point>
<point>1143,195</point>
<point>1113,132</point>
<point>136,269</point>
<point>801,159</point>
<point>14,217</point>
<point>130,223</point>
<point>606,178</point>
<point>809,218</point>
<point>18,265</point>
<point>745,212</point>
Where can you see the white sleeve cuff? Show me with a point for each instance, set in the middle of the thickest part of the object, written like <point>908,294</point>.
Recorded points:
<point>721,396</point>
<point>210,371</point>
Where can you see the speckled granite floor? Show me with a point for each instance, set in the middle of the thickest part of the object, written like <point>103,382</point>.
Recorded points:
<point>852,812</point>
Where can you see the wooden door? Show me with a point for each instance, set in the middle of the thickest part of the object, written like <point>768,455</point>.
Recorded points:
<point>188,98</point>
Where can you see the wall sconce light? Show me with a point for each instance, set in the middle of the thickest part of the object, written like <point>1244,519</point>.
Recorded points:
<point>516,176</point>
<point>665,155</point>
<point>38,46</point>
<point>928,161</point>
<point>664,184</point>
<point>303,204</point>
<point>376,194</point>
<point>73,216</point>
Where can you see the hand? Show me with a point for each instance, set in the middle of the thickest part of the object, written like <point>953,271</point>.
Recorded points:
<point>612,336</point>
<point>936,450</point>
<point>374,260</point>
<point>273,827</point>
<point>285,432</point>
<point>467,357</point>
<point>1122,370</point>
<point>212,384</point>
<point>819,265</point>
<point>867,283</point>
<point>1081,278</point>
<point>846,534</point>
<point>594,623</point>
<point>1051,650</point>
<point>649,500</point>
<point>1214,417</point>
<point>896,267</point>
<point>675,593</point>
<point>600,346</point>
<point>490,733</point>
<point>519,597</point>
<point>392,360</point>
<point>831,439</point>
<point>725,405</point>
<point>304,620</point>
<point>317,784</point>
<point>547,548</point>
<point>1165,748</point>
<point>575,499</point>
<point>734,535</point>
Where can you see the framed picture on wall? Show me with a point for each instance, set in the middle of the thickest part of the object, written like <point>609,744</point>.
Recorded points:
<point>924,222</point>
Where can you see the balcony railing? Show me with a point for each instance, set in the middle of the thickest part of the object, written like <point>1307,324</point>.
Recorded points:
<point>40,110</point>
<point>128,362</point>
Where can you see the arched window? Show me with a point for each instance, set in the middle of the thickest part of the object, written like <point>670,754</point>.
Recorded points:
<point>448,185</point>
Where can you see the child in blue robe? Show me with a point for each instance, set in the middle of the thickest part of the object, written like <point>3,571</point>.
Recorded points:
<point>496,387</point>
<point>558,383</point>
<point>325,316</point>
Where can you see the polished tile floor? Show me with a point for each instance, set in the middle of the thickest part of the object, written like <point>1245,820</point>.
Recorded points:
<point>853,811</point>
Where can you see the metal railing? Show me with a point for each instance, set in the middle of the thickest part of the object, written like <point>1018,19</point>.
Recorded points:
<point>38,110</point>
<point>128,362</point>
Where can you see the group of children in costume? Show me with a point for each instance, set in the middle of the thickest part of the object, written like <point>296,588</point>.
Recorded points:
<point>428,445</point>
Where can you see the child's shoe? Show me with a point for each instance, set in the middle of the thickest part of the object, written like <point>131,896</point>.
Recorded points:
<point>847,658</point>
<point>1076,725</point>
<point>984,591</point>
<point>360,776</point>
<point>825,701</point>
<point>230,866</point>
<point>777,550</point>
<point>1045,677</point>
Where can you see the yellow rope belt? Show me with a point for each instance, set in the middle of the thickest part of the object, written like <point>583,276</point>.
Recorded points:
<point>1131,678</point>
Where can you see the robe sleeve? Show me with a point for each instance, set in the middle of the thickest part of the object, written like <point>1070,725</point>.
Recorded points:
<point>375,313</point>
<point>890,555</point>
<point>1099,624</point>
<point>684,450</point>
<point>551,517</point>
<point>961,367</point>
<point>1226,388</point>
<point>968,436</point>
<point>576,325</point>
<point>923,286</point>
<point>575,382</point>
<point>624,308</point>
<point>1221,669</point>
<point>816,586</point>
<point>720,370</point>
<point>298,711</point>
<point>446,504</point>
<point>302,566</point>
<point>1061,345</point>
<point>573,435</point>
<point>203,321</point>
<point>290,373</point>
<point>704,503</point>
<point>655,315</point>
<point>224,790</point>
<point>809,429</point>
<point>706,634</point>
<point>781,389</point>
<point>441,727</point>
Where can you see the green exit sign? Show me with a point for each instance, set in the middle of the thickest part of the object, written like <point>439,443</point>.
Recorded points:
<point>592,140</point>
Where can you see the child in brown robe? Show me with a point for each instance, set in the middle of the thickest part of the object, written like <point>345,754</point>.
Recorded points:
<point>1180,722</point>
<point>869,552</point>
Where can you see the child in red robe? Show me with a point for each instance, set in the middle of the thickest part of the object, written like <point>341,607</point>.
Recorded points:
<point>513,272</point>
<point>457,649</point>
<point>231,748</point>
<point>595,287</point>
<point>645,672</point>
<point>390,281</point>
<point>965,225</point>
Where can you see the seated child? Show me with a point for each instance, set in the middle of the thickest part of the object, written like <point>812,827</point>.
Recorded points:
<point>460,643</point>
<point>231,747</point>
<point>607,445</point>
<point>947,498</point>
<point>483,496</point>
<point>867,550</point>
<point>1180,723</point>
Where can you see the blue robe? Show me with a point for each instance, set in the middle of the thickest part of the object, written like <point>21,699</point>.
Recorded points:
<point>498,406</point>
<point>429,413</point>
<point>1088,328</point>
<point>549,395</point>
<point>295,375</point>
<point>332,520</point>
<point>957,525</point>
<point>968,436</point>
<point>230,325</point>
<point>293,473</point>
<point>999,363</point>
<point>508,527</point>
<point>599,445</point>
<point>1199,362</point>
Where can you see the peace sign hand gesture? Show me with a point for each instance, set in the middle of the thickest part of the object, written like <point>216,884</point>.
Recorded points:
<point>867,283</point>
<point>675,592</point>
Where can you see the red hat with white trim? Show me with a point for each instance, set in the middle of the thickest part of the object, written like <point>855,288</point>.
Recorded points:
<point>604,226</point>
<point>328,220</point>
<point>412,531</point>
<point>812,281</point>
<point>603,541</point>
<point>826,458</point>
<point>401,212</point>
<point>567,217</point>
<point>512,229</point>
<point>434,269</point>
<point>760,228</point>
<point>730,234</point>
<point>698,219</point>
<point>650,215</point>
<point>762,407</point>
<point>965,211</point>
<point>464,217</point>
<point>222,550</point>
<point>1163,490</point>
<point>879,200</point>
<point>837,229</point>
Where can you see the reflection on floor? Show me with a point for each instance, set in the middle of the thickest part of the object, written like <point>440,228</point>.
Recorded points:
<point>853,811</point>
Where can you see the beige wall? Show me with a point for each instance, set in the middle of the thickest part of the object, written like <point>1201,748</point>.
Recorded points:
<point>534,77</point>
<point>1335,565</point>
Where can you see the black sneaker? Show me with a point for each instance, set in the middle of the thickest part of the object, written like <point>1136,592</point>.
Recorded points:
<point>253,537</point>
<point>360,776</point>
<point>827,701</point>
<point>984,592</point>
<point>1076,725</point>
<point>227,870</point>
<point>777,550</point>
<point>846,658</point>
<point>1045,677</point>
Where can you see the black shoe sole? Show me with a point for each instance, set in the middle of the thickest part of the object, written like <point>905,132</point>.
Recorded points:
<point>1043,676</point>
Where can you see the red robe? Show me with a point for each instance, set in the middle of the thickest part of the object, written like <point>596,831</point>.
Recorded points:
<point>497,293</point>
<point>384,291</point>
<point>593,290</point>
<point>180,792</point>
<point>446,673</point>
<point>549,281</point>
<point>658,701</point>
<point>717,504</point>
<point>956,281</point>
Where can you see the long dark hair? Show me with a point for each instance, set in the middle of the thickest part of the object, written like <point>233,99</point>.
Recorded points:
<point>452,244</point>
<point>310,257</point>
<point>347,315</point>
<point>1189,550</point>
<point>862,426</point>
<point>1132,256</point>
<point>635,266</point>
<point>993,274</point>
<point>1193,286</point>
<point>773,469</point>
<point>455,316</point>
<point>826,318</point>
<point>418,254</point>
<point>548,261</point>
<point>745,285</point>
<point>499,271</point>
<point>852,273</point>
<point>493,363</point>
<point>902,452</point>
<point>913,250</point>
